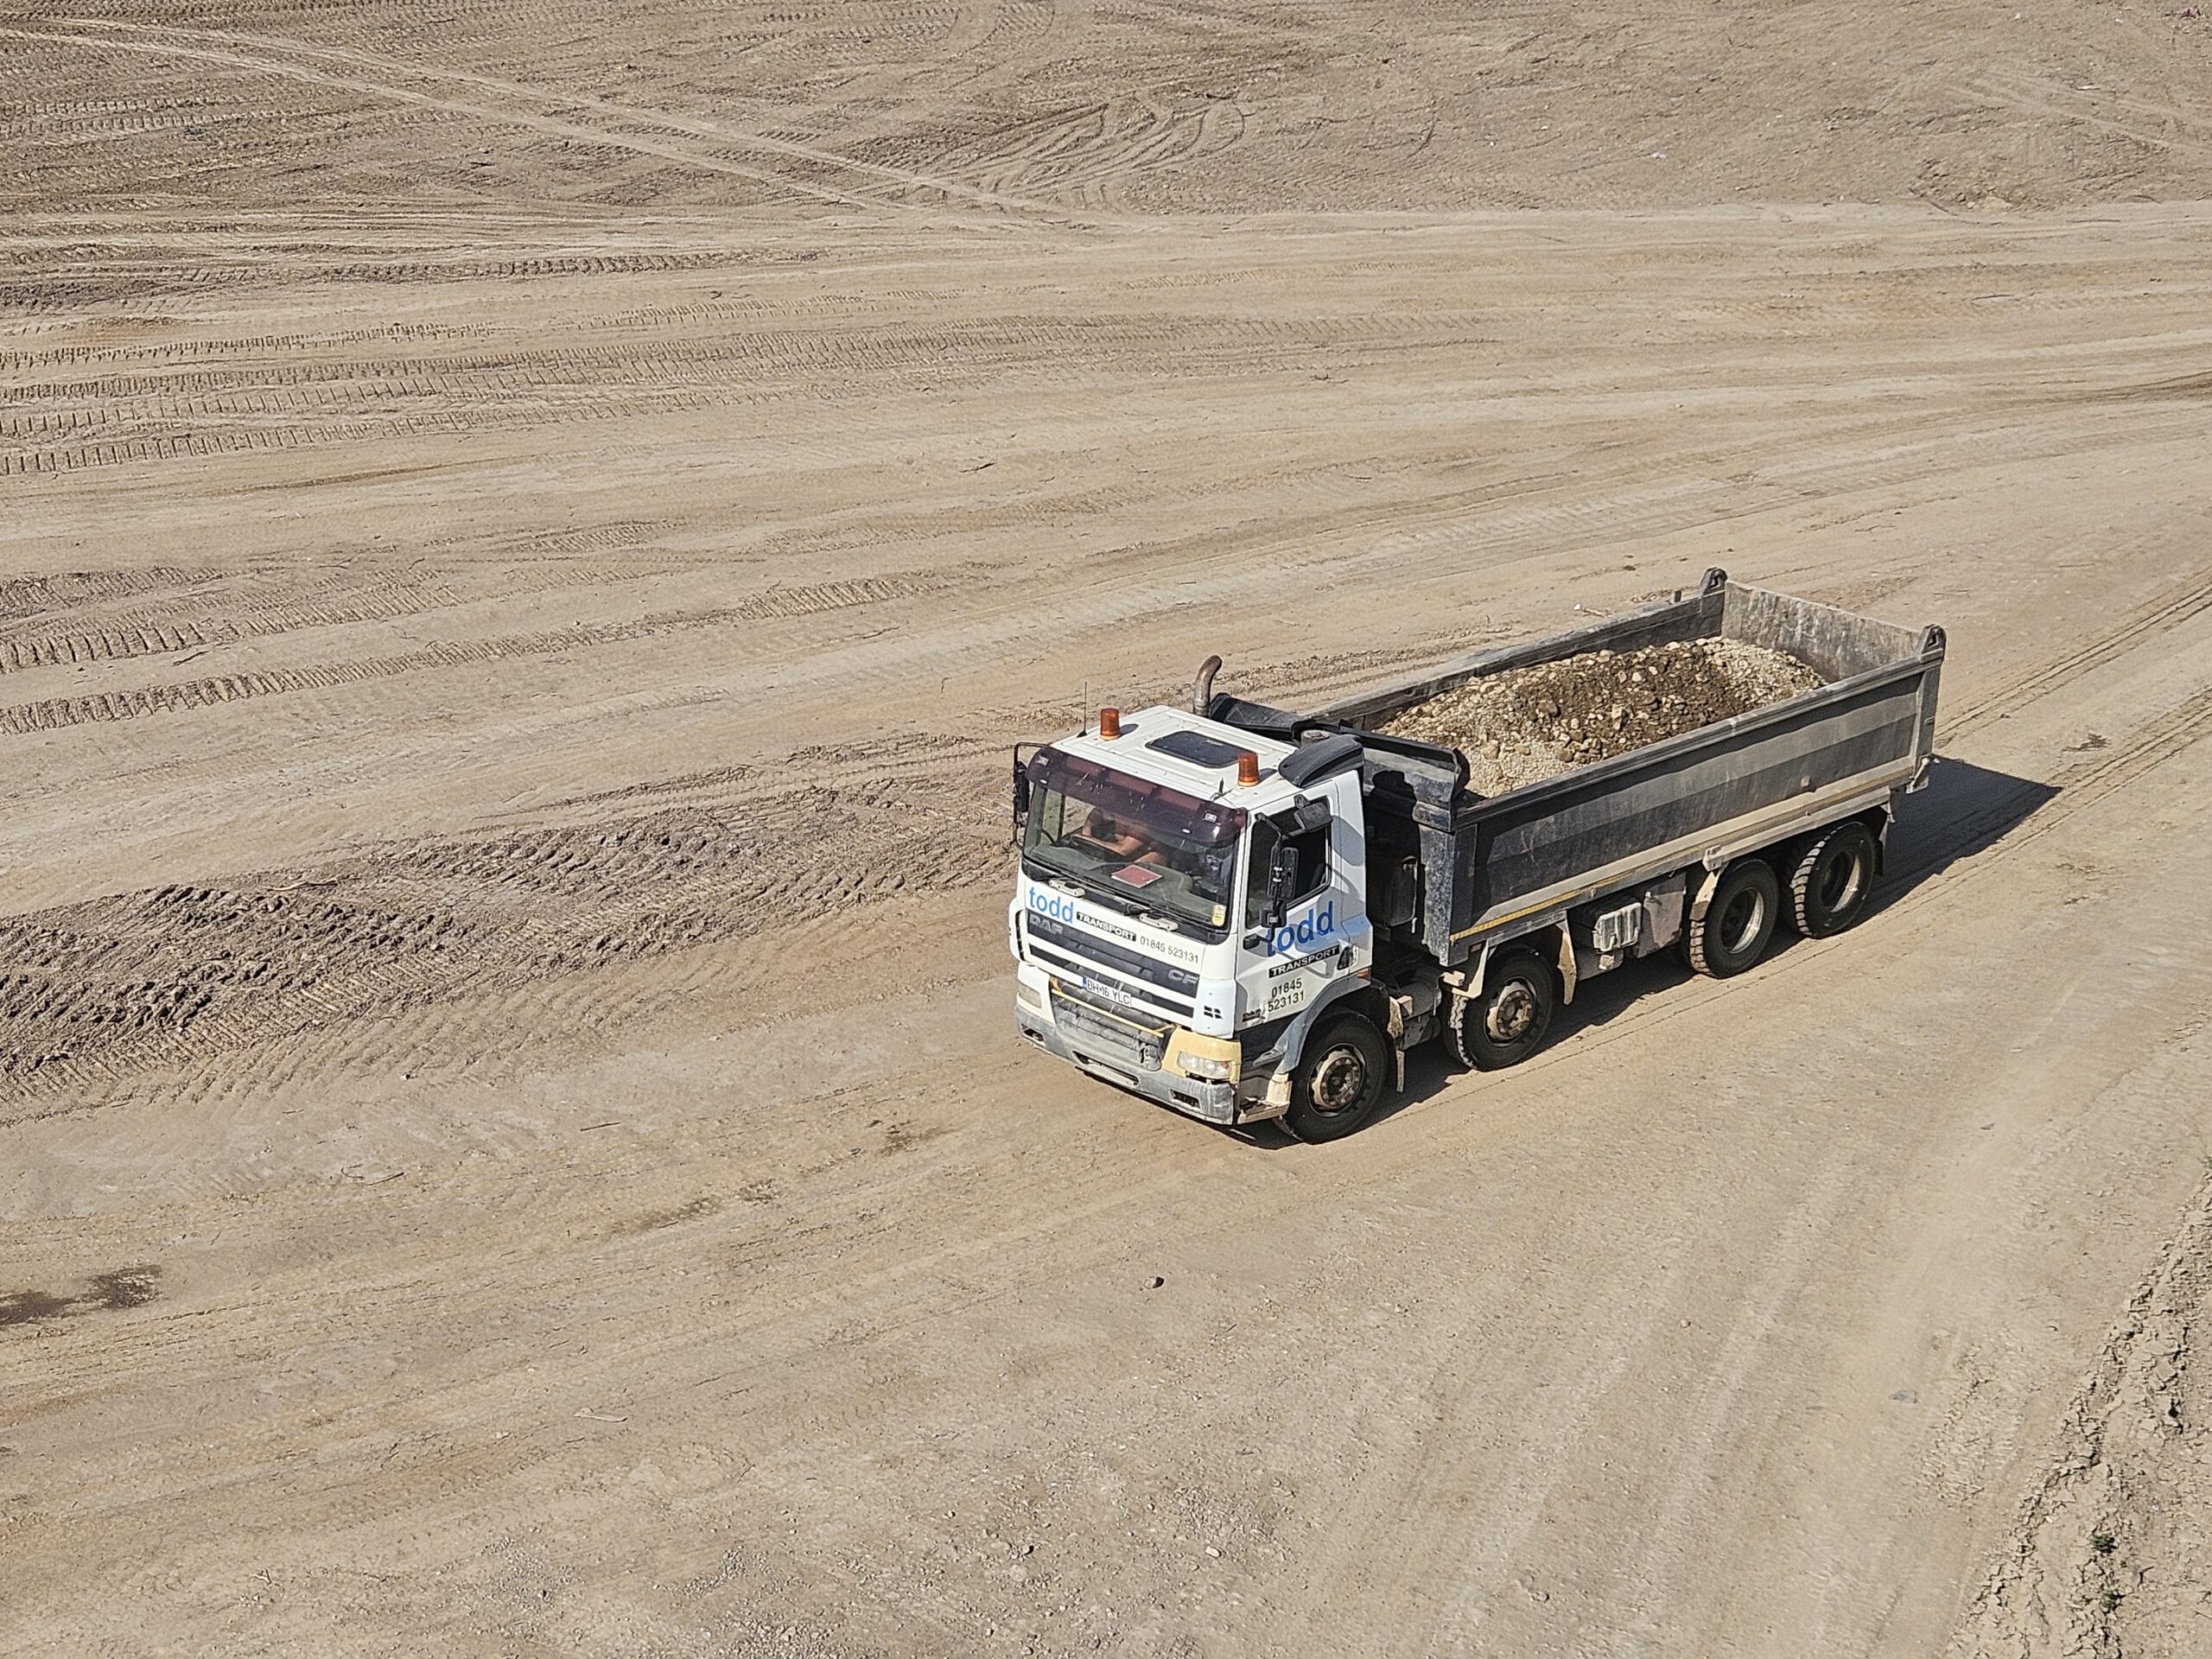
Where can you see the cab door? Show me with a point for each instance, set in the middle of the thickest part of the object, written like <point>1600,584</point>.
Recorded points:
<point>1320,935</point>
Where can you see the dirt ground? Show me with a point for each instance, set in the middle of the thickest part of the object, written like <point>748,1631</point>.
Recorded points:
<point>1526,724</point>
<point>526,534</point>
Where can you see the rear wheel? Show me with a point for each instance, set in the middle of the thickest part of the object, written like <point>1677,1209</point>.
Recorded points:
<point>1506,1023</point>
<point>1828,888</point>
<point>1736,926</point>
<point>1339,1081</point>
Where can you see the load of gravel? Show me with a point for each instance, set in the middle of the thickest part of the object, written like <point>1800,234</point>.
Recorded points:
<point>1527,724</point>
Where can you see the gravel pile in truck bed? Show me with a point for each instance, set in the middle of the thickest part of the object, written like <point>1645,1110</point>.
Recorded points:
<point>1527,724</point>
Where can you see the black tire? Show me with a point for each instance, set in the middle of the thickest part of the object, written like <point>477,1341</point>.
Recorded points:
<point>1834,874</point>
<point>1340,1080</point>
<point>1739,924</point>
<point>1506,1023</point>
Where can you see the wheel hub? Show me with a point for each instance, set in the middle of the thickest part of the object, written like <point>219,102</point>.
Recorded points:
<point>1739,923</point>
<point>1840,883</point>
<point>1511,1012</point>
<point>1339,1081</point>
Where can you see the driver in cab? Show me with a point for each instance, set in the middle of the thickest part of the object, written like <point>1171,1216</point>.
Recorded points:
<point>1101,829</point>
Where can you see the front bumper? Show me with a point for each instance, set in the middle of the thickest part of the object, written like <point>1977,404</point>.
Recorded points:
<point>1210,1102</point>
<point>1117,1043</point>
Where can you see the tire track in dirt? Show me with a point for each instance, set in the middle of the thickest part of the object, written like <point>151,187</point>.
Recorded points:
<point>1621,503</point>
<point>160,632</point>
<point>773,604</point>
<point>95,279</point>
<point>101,988</point>
<point>196,412</point>
<point>576,117</point>
<point>2160,126</point>
<point>2102,773</point>
<point>153,354</point>
<point>2180,604</point>
<point>1089,153</point>
<point>1141,344</point>
<point>800,1246</point>
<point>149,44</point>
<point>909,757</point>
<point>58,591</point>
<point>1436,536</point>
<point>913,757</point>
<point>247,439</point>
<point>194,610</point>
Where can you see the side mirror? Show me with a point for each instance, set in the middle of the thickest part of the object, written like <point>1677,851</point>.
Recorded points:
<point>1021,792</point>
<point>1283,882</point>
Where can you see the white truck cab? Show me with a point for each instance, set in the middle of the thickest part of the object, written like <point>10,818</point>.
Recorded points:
<point>1189,894</point>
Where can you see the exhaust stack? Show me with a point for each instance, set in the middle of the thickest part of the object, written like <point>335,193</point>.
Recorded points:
<point>1201,687</point>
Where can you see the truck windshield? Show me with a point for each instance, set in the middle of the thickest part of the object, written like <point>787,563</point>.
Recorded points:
<point>1133,841</point>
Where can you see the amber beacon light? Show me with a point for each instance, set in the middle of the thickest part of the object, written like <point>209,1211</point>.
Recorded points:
<point>1248,767</point>
<point>1110,723</point>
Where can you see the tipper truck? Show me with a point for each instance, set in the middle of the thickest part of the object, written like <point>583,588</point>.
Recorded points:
<point>1244,914</point>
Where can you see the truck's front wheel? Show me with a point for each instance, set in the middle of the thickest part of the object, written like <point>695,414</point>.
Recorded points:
<point>1339,1081</point>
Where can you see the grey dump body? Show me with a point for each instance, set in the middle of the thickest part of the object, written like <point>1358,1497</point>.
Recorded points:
<point>1450,868</point>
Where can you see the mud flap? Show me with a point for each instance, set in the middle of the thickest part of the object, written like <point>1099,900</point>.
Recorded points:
<point>1703,902</point>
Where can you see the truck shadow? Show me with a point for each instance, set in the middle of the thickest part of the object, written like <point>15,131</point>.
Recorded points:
<point>1965,810</point>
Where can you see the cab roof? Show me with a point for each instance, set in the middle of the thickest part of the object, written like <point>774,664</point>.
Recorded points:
<point>1189,753</point>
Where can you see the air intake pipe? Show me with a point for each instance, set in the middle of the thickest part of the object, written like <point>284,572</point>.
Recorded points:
<point>1201,687</point>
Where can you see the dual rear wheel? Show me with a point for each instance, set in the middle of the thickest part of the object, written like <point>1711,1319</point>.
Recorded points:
<point>1739,921</point>
<point>1829,883</point>
<point>1830,875</point>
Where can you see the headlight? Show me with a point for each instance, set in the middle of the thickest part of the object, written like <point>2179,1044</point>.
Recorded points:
<point>1029,995</point>
<point>1205,1065</point>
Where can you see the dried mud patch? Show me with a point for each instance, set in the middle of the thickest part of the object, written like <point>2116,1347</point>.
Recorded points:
<point>1526,724</point>
<point>116,1290</point>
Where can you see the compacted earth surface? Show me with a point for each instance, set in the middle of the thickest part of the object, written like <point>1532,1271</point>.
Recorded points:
<point>527,533</point>
<point>1526,724</point>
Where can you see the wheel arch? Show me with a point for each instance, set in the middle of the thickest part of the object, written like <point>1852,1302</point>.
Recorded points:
<point>1551,940</point>
<point>1355,996</point>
